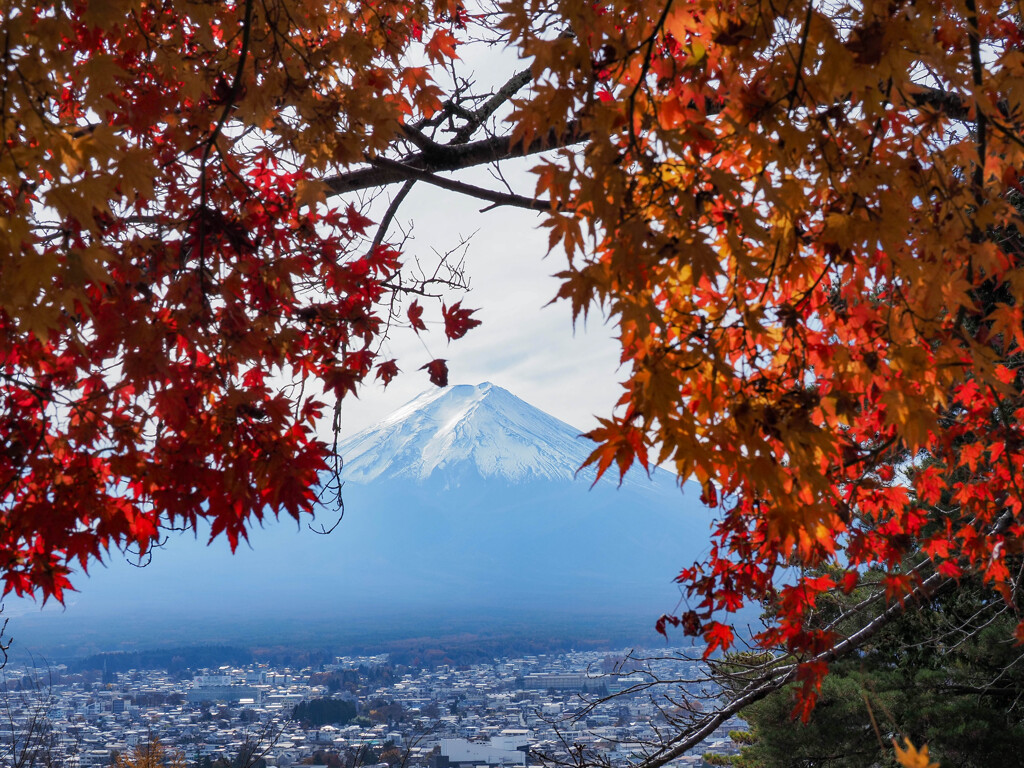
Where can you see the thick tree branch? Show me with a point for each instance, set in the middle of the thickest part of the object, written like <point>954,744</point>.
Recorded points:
<point>490,195</point>
<point>438,158</point>
<point>447,157</point>
<point>489,107</point>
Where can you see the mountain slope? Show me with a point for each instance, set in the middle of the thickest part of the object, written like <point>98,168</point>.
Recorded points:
<point>474,478</point>
<point>462,506</point>
<point>480,430</point>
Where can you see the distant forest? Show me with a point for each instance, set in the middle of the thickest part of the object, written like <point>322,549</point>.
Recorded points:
<point>171,659</point>
<point>457,650</point>
<point>468,649</point>
<point>317,712</point>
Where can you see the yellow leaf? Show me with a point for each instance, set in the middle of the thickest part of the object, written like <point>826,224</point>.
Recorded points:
<point>910,757</point>
<point>310,192</point>
<point>678,24</point>
<point>92,263</point>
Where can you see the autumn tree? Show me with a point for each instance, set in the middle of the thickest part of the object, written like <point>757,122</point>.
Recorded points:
<point>179,304</point>
<point>317,712</point>
<point>150,754</point>
<point>790,210</point>
<point>393,756</point>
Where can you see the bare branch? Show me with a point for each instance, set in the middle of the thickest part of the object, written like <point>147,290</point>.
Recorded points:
<point>389,215</point>
<point>489,107</point>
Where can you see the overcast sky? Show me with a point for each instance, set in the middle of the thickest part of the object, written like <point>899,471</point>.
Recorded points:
<point>522,345</point>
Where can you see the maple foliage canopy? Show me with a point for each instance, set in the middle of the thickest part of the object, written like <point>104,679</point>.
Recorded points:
<point>803,217</point>
<point>176,298</point>
<point>806,219</point>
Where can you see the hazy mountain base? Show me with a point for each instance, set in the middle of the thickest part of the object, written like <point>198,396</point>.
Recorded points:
<point>407,560</point>
<point>464,512</point>
<point>453,649</point>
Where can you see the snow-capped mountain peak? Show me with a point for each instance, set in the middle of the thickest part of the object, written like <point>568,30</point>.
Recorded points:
<point>466,430</point>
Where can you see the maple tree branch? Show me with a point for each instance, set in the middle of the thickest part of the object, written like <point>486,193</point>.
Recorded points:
<point>211,143</point>
<point>3,93</point>
<point>236,85</point>
<point>427,145</point>
<point>492,196</point>
<point>645,67</point>
<point>976,76</point>
<point>952,105</point>
<point>489,107</point>
<point>389,215</point>
<point>459,154</point>
<point>799,68</point>
<point>447,157</point>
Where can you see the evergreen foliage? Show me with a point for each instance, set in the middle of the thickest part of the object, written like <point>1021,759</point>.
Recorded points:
<point>171,659</point>
<point>944,674</point>
<point>317,712</point>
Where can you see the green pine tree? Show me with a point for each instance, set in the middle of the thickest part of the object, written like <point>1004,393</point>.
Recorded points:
<point>946,674</point>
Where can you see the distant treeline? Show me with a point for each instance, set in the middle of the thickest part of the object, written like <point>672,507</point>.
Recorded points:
<point>468,649</point>
<point>317,712</point>
<point>455,649</point>
<point>292,655</point>
<point>171,659</point>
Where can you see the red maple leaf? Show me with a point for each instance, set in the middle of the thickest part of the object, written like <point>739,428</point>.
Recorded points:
<point>387,371</point>
<point>438,370</point>
<point>415,315</point>
<point>457,320</point>
<point>718,635</point>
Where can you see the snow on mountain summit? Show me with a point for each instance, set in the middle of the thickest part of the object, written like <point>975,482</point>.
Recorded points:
<point>463,429</point>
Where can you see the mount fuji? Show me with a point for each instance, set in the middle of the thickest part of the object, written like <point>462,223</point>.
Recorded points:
<point>477,479</point>
<point>463,431</point>
<point>463,505</point>
<point>470,432</point>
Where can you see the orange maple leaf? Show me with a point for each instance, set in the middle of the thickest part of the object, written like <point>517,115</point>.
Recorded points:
<point>911,757</point>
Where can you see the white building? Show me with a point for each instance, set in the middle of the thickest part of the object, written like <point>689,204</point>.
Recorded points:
<point>509,747</point>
